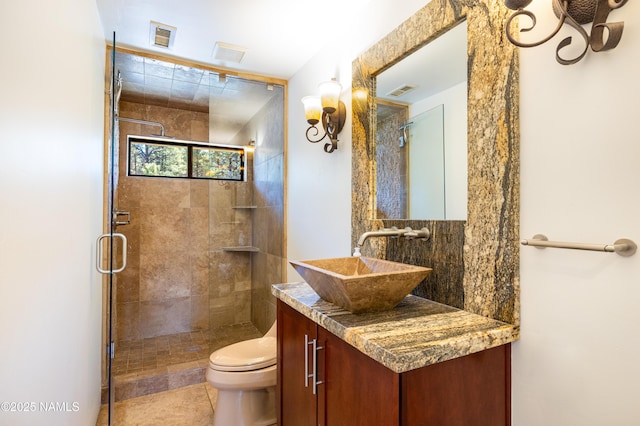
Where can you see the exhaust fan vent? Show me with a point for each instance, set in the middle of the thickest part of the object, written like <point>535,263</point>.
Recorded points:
<point>161,35</point>
<point>228,52</point>
<point>402,90</point>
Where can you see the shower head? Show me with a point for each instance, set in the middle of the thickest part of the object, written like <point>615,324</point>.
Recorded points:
<point>403,136</point>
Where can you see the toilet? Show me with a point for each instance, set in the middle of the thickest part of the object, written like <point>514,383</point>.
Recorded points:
<point>244,374</point>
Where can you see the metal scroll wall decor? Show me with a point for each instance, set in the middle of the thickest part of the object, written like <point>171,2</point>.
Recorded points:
<point>330,109</point>
<point>574,13</point>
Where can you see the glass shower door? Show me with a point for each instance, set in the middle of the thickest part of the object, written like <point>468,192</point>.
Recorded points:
<point>427,165</point>
<point>111,246</point>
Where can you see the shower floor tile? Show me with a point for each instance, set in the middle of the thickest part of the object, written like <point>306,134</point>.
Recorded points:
<point>148,354</point>
<point>152,365</point>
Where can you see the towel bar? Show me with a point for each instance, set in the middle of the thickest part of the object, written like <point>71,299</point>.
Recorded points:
<point>622,247</point>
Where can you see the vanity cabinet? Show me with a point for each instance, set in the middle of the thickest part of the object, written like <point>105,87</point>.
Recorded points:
<point>350,388</point>
<point>353,389</point>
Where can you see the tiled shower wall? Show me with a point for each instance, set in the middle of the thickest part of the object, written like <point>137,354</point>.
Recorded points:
<point>391,168</point>
<point>268,218</point>
<point>178,278</point>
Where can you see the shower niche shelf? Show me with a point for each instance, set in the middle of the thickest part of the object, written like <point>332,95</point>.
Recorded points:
<point>242,249</point>
<point>246,249</point>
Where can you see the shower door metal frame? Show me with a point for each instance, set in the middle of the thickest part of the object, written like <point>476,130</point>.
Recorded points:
<point>106,243</point>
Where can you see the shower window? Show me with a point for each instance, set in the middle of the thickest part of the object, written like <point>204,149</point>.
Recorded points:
<point>217,163</point>
<point>153,159</point>
<point>161,158</point>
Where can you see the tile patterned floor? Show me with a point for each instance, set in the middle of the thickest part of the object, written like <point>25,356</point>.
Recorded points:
<point>148,354</point>
<point>185,406</point>
<point>164,369</point>
<point>142,355</point>
<point>148,366</point>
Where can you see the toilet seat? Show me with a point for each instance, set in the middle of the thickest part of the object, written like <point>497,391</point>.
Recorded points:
<point>249,355</point>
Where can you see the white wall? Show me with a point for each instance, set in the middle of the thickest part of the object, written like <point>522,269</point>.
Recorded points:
<point>319,184</point>
<point>51,139</point>
<point>576,363</point>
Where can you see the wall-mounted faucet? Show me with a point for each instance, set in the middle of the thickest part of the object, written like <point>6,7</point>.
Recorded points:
<point>387,232</point>
<point>423,234</point>
<point>393,232</point>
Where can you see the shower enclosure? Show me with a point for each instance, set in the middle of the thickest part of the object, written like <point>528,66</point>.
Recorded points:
<point>202,252</point>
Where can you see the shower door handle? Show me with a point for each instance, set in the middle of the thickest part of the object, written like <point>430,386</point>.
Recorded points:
<point>99,253</point>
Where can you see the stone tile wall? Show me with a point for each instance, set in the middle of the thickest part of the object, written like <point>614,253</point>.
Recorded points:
<point>178,278</point>
<point>391,167</point>
<point>164,289</point>
<point>267,129</point>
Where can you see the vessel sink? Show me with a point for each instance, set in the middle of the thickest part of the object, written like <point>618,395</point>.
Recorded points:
<point>361,284</point>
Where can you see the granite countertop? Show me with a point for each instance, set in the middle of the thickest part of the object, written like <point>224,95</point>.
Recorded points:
<point>416,333</point>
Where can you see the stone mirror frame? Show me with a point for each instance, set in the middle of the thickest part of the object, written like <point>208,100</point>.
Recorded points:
<point>475,262</point>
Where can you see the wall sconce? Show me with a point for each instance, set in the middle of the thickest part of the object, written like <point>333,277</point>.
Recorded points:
<point>575,13</point>
<point>330,109</point>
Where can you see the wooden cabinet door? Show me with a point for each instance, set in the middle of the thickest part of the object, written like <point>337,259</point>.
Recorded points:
<point>296,403</point>
<point>470,390</point>
<point>356,390</point>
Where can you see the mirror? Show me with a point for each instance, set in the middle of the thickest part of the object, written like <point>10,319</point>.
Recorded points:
<point>421,139</point>
<point>475,261</point>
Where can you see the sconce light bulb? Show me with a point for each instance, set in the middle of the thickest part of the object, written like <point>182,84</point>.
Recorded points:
<point>312,109</point>
<point>330,95</point>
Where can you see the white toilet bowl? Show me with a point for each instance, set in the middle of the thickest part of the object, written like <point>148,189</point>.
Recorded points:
<point>245,376</point>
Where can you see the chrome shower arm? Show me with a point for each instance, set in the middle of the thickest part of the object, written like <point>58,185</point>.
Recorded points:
<point>145,122</point>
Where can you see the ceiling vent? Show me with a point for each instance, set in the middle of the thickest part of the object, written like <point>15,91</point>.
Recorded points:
<point>228,52</point>
<point>161,35</point>
<point>406,88</point>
